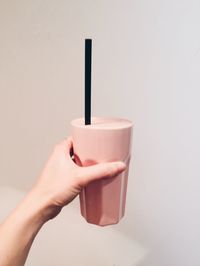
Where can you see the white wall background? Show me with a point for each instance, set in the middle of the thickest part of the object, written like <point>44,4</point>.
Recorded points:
<point>146,67</point>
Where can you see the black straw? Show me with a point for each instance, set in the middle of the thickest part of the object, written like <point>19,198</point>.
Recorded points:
<point>88,63</point>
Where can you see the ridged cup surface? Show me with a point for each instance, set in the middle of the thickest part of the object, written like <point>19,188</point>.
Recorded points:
<point>106,139</point>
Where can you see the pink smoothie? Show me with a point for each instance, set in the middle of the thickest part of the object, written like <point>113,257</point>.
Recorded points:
<point>106,139</point>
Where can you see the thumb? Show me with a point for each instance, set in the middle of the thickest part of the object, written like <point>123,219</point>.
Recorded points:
<point>101,170</point>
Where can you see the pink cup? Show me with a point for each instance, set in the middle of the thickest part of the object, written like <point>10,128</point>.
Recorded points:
<point>106,139</point>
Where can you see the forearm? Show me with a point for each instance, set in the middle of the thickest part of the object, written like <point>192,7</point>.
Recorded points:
<point>20,228</point>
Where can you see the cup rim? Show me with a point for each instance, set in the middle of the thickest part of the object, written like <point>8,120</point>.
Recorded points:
<point>95,126</point>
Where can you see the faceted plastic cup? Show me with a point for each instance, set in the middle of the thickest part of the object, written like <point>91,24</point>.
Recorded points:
<point>106,139</point>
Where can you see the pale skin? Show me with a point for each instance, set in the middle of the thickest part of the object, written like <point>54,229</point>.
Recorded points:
<point>59,183</point>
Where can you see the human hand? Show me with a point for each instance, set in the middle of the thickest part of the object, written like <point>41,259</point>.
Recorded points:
<point>59,183</point>
<point>62,179</point>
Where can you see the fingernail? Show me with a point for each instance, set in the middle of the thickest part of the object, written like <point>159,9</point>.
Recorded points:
<point>121,165</point>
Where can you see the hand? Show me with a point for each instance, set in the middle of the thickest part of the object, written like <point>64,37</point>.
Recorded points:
<point>59,183</point>
<point>62,179</point>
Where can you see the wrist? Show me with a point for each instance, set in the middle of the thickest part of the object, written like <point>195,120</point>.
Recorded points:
<point>33,209</point>
<point>42,207</point>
